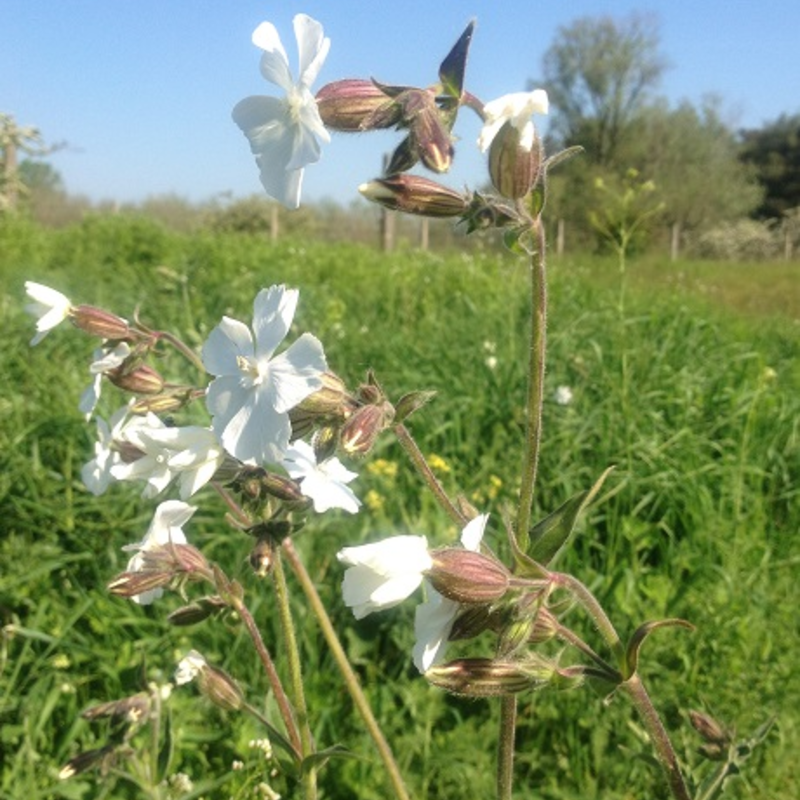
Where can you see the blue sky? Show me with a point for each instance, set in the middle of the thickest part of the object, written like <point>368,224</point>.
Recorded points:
<point>142,90</point>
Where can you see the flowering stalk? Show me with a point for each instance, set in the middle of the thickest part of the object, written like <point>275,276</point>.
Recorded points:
<point>295,672</point>
<point>349,675</point>
<point>535,400</point>
<point>418,460</point>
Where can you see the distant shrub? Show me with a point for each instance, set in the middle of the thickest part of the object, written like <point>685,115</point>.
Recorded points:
<point>742,240</point>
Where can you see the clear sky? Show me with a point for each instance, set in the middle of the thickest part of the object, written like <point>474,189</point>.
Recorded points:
<point>141,90</point>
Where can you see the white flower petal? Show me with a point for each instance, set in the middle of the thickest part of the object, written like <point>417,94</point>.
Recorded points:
<point>433,622</point>
<point>472,534</point>
<point>229,341</point>
<point>49,306</point>
<point>273,312</point>
<point>296,372</point>
<point>274,61</point>
<point>189,667</point>
<point>312,46</point>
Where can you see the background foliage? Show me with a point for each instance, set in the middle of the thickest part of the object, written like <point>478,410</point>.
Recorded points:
<point>693,395</point>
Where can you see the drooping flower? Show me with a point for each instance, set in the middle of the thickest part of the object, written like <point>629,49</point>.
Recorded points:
<point>517,109</point>
<point>253,391</point>
<point>383,574</point>
<point>283,133</point>
<point>49,306</point>
<point>325,483</point>
<point>97,473</point>
<point>166,528</point>
<point>434,618</point>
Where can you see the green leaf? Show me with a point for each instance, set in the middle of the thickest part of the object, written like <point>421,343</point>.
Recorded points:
<point>549,536</point>
<point>320,758</point>
<point>451,70</point>
<point>642,632</point>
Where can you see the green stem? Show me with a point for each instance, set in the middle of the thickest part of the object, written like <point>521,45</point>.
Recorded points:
<point>350,678</point>
<point>505,747</point>
<point>589,602</point>
<point>272,675</point>
<point>295,671</point>
<point>418,460</point>
<point>658,734</point>
<point>535,399</point>
<point>183,349</point>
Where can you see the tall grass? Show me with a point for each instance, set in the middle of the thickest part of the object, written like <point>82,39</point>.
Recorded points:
<point>695,400</point>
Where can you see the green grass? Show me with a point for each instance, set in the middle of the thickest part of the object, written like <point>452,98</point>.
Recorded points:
<point>694,395</point>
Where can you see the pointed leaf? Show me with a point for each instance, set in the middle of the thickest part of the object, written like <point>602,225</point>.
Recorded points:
<point>549,537</point>
<point>642,632</point>
<point>562,156</point>
<point>320,758</point>
<point>167,750</point>
<point>451,71</point>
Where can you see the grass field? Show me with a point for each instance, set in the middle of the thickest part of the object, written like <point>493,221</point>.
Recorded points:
<point>693,393</point>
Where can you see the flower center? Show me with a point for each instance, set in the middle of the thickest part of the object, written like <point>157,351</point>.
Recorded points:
<point>252,375</point>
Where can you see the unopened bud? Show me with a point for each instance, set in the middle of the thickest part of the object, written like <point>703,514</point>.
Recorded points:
<point>430,137</point>
<point>513,168</point>
<point>361,431</point>
<point>356,105</point>
<point>709,728</point>
<point>332,400</point>
<point>97,322</point>
<point>220,688</point>
<point>468,577</point>
<point>132,709</point>
<point>142,379</point>
<point>86,760</point>
<point>163,403</point>
<point>482,677</point>
<point>471,622</point>
<point>413,194</point>
<point>262,556</point>
<point>199,611</point>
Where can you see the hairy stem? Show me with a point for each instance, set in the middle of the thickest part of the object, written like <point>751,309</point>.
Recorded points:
<point>658,735</point>
<point>295,672</point>
<point>505,747</point>
<point>535,398</point>
<point>418,460</point>
<point>350,678</point>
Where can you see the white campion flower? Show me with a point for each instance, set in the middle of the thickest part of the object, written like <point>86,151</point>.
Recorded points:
<point>189,667</point>
<point>434,618</point>
<point>253,391</point>
<point>383,574</point>
<point>96,474</point>
<point>49,306</point>
<point>104,360</point>
<point>325,483</point>
<point>517,109</point>
<point>283,132</point>
<point>166,528</point>
<point>191,454</point>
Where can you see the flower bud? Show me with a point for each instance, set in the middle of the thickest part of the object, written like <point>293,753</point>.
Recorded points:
<point>468,577</point>
<point>482,677</point>
<point>87,760</point>
<point>513,168</point>
<point>709,728</point>
<point>220,688</point>
<point>361,431</point>
<point>131,709</point>
<point>199,611</point>
<point>97,322</point>
<point>429,137</point>
<point>356,105</point>
<point>142,379</point>
<point>413,194</point>
<point>163,403</point>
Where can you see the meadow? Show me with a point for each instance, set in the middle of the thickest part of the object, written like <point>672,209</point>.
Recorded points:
<point>693,394</point>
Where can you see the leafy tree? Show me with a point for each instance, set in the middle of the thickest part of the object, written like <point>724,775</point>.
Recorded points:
<point>692,156</point>
<point>598,73</point>
<point>774,152</point>
<point>40,176</point>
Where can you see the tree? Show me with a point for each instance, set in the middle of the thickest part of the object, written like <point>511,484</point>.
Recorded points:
<point>774,152</point>
<point>692,156</point>
<point>13,140</point>
<point>599,72</point>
